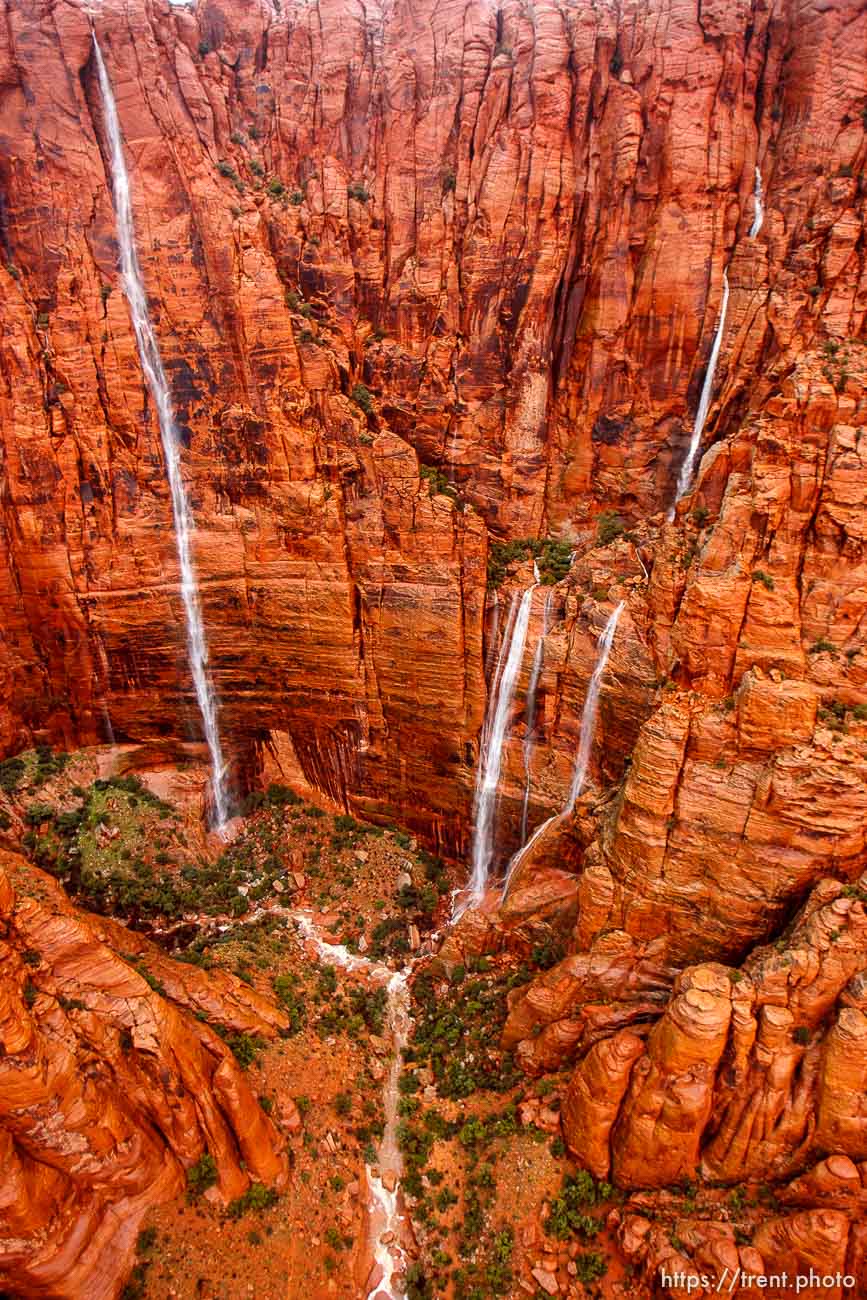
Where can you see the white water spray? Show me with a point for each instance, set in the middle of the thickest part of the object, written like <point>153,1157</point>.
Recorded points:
<point>591,708</point>
<point>391,1256</point>
<point>493,740</point>
<point>684,481</point>
<point>759,214</point>
<point>152,366</point>
<point>585,743</point>
<point>535,673</point>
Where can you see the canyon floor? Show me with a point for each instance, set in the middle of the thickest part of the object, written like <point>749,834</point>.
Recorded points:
<point>493,1205</point>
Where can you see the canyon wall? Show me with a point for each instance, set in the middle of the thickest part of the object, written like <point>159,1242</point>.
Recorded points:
<point>508,226</point>
<point>428,278</point>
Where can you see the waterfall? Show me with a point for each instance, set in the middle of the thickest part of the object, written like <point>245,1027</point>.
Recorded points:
<point>591,708</point>
<point>759,215</point>
<point>152,366</point>
<point>535,673</point>
<point>585,743</point>
<point>493,740</point>
<point>684,481</point>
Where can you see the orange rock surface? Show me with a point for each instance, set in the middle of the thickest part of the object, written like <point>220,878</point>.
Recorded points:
<point>426,275</point>
<point>109,1089</point>
<point>512,230</point>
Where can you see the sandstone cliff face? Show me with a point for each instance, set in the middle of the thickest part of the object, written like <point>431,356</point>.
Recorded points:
<point>110,1089</point>
<point>748,1075</point>
<point>511,226</point>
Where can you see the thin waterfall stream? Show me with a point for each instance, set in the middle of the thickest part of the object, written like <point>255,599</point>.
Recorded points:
<point>535,673</point>
<point>384,1207</point>
<point>590,711</point>
<point>589,715</point>
<point>758,198</point>
<point>687,469</point>
<point>493,741</point>
<point>154,372</point>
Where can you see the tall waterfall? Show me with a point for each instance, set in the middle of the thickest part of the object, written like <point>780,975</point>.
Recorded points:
<point>684,481</point>
<point>585,743</point>
<point>535,673</point>
<point>493,740</point>
<point>152,365</point>
<point>591,708</point>
<point>759,214</point>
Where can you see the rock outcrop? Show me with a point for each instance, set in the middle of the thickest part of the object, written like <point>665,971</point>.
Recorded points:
<point>748,1076</point>
<point>110,1087</point>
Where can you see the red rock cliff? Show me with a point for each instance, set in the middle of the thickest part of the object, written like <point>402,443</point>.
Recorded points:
<point>509,225</point>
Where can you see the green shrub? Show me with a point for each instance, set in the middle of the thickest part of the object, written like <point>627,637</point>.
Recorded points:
<point>280,796</point>
<point>276,188</point>
<point>11,772</point>
<point>362,397</point>
<point>609,527</point>
<point>764,578</point>
<point>358,191</point>
<point>245,1048</point>
<point>201,1175</point>
<point>256,1199</point>
<point>591,1266</point>
<point>578,1193</point>
<point>553,558</point>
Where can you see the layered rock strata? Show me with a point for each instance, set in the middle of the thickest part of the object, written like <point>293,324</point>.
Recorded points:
<point>112,1083</point>
<point>503,231</point>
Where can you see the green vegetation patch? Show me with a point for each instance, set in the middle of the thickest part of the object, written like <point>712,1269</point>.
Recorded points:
<point>553,558</point>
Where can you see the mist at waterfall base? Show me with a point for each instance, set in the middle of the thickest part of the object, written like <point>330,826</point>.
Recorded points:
<point>152,367</point>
